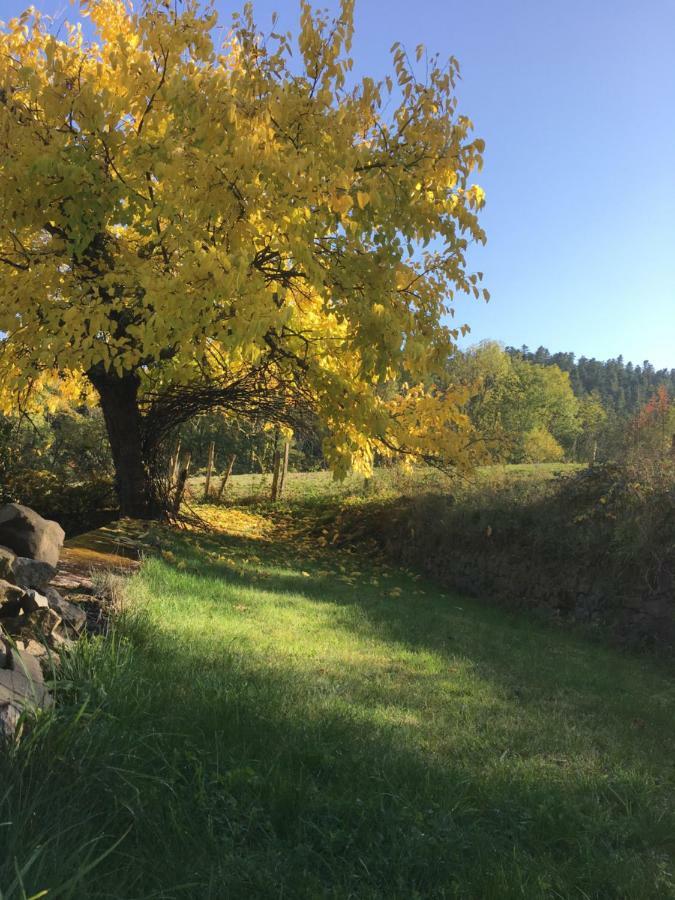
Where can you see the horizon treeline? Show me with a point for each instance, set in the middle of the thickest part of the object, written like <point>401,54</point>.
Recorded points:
<point>538,406</point>
<point>621,386</point>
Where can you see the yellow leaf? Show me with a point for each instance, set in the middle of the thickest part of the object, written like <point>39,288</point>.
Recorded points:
<point>342,204</point>
<point>363,199</point>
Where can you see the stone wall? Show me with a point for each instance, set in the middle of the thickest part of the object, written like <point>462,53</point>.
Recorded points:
<point>36,621</point>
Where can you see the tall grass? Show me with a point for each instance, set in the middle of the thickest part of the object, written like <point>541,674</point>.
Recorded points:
<point>387,481</point>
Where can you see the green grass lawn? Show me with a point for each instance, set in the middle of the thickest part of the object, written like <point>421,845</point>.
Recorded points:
<point>276,721</point>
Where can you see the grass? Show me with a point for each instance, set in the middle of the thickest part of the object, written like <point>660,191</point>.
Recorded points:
<point>321,486</point>
<point>274,720</point>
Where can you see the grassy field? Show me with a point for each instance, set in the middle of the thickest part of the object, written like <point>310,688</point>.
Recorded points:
<point>312,486</point>
<point>276,721</point>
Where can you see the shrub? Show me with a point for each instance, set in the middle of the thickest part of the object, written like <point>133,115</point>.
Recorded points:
<point>596,547</point>
<point>539,445</point>
<point>77,507</point>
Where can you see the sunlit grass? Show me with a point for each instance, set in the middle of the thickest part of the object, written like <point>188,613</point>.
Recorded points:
<point>285,721</point>
<point>303,486</point>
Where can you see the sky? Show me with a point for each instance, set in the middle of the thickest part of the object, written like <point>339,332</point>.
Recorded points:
<point>576,102</point>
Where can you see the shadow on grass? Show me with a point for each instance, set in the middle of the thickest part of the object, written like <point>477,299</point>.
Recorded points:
<point>236,780</point>
<point>233,772</point>
<point>528,660</point>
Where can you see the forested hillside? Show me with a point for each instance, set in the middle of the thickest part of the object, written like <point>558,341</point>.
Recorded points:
<point>622,386</point>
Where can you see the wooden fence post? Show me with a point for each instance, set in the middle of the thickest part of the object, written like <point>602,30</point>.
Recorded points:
<point>284,469</point>
<point>209,469</point>
<point>174,463</point>
<point>181,481</point>
<point>226,476</point>
<point>275,476</point>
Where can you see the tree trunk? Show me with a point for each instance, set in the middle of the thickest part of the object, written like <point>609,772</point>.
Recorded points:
<point>124,422</point>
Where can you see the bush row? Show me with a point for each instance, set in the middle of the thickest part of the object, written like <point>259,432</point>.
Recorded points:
<point>77,507</point>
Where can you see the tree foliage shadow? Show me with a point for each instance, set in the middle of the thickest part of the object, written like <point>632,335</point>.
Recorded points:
<point>529,661</point>
<point>235,783</point>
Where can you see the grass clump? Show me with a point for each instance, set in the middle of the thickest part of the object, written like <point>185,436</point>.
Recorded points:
<point>272,719</point>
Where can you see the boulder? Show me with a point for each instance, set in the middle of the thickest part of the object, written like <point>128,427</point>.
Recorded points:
<point>65,581</point>
<point>31,573</point>
<point>73,616</point>
<point>24,662</point>
<point>7,557</point>
<point>58,643</point>
<point>21,691</point>
<point>28,534</point>
<point>40,624</point>
<point>32,600</point>
<point>5,655</point>
<point>12,625</point>
<point>32,647</point>
<point>9,720</point>
<point>10,598</point>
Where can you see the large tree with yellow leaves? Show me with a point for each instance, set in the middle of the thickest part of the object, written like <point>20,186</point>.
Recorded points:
<point>192,213</point>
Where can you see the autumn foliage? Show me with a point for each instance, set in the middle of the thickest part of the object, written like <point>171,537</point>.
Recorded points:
<point>180,205</point>
<point>653,428</point>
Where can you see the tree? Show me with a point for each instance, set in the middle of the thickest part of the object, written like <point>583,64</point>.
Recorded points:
<point>539,446</point>
<point>592,421</point>
<point>653,429</point>
<point>192,225</point>
<point>521,409</point>
<point>619,386</point>
<point>545,399</point>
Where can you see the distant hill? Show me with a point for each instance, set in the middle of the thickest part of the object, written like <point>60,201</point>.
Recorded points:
<point>622,386</point>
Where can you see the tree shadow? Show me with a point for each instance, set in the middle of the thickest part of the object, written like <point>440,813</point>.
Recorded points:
<point>250,784</point>
<point>578,688</point>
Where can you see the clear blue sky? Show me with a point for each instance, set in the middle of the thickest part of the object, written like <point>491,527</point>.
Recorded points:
<point>576,101</point>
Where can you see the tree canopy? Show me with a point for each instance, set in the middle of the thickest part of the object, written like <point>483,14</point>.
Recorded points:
<point>620,386</point>
<point>181,205</point>
<point>524,411</point>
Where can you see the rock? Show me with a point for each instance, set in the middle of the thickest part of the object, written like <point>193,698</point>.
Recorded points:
<point>31,601</point>
<point>5,655</point>
<point>9,591</point>
<point>9,720</point>
<point>40,624</point>
<point>71,615</point>
<point>31,573</point>
<point>28,534</point>
<point>24,662</point>
<point>66,581</point>
<point>58,643</point>
<point>12,625</point>
<point>46,656</point>
<point>34,648</point>
<point>10,598</point>
<point>7,557</point>
<point>17,689</point>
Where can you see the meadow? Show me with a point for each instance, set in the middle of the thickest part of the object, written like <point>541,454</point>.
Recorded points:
<point>276,719</point>
<point>392,481</point>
